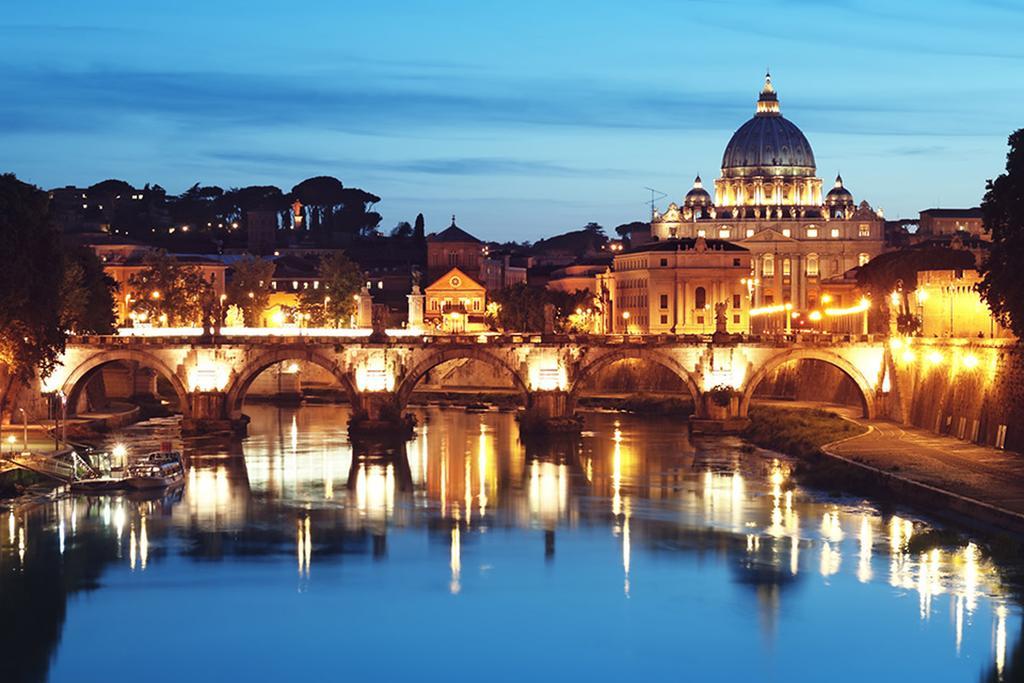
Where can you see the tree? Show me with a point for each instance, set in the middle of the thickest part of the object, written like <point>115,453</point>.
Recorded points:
<point>626,230</point>
<point>169,293</point>
<point>333,210</point>
<point>520,308</point>
<point>87,293</point>
<point>249,288</point>
<point>402,230</point>
<point>334,303</point>
<point>419,230</point>
<point>1002,209</point>
<point>31,334</point>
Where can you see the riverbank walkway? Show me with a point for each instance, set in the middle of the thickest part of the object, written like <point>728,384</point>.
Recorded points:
<point>981,473</point>
<point>986,474</point>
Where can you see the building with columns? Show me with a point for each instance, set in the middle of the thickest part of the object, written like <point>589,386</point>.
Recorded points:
<point>769,200</point>
<point>673,286</point>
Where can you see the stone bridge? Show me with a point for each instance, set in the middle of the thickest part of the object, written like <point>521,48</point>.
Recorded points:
<point>211,375</point>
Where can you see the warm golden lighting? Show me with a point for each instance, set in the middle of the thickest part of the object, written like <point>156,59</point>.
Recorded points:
<point>862,305</point>
<point>814,316</point>
<point>970,361</point>
<point>767,310</point>
<point>209,376</point>
<point>455,560</point>
<point>909,356</point>
<point>934,357</point>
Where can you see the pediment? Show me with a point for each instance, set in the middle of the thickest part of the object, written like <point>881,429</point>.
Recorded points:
<point>767,235</point>
<point>454,279</point>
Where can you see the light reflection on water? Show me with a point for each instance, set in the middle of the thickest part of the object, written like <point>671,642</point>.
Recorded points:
<point>700,557</point>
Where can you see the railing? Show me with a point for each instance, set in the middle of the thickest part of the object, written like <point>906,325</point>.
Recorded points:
<point>52,465</point>
<point>488,338</point>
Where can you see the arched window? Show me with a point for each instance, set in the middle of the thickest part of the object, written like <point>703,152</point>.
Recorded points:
<point>700,297</point>
<point>862,259</point>
<point>768,265</point>
<point>724,232</point>
<point>786,267</point>
<point>812,265</point>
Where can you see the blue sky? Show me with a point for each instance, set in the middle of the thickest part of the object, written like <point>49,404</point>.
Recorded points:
<point>522,118</point>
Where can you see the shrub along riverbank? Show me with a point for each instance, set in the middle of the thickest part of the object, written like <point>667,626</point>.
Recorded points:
<point>797,432</point>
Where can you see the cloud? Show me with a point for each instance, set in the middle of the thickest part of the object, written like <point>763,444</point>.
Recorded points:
<point>454,166</point>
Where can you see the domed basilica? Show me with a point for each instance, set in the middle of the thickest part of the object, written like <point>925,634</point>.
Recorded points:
<point>769,200</point>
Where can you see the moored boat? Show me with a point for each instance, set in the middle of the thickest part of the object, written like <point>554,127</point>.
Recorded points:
<point>156,470</point>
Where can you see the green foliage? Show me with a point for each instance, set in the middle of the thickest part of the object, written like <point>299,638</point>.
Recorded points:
<point>1003,213</point>
<point>31,334</point>
<point>168,293</point>
<point>521,307</point>
<point>87,293</point>
<point>798,432</point>
<point>721,394</point>
<point>249,288</point>
<point>333,304</point>
<point>419,230</point>
<point>626,230</point>
<point>590,239</point>
<point>333,210</point>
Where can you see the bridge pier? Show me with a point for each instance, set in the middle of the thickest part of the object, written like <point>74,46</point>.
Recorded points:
<point>209,413</point>
<point>549,412</point>
<point>719,411</point>
<point>379,412</point>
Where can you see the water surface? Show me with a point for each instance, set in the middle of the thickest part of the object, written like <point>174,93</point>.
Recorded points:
<point>631,553</point>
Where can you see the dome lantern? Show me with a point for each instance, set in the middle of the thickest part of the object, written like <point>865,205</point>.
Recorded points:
<point>768,101</point>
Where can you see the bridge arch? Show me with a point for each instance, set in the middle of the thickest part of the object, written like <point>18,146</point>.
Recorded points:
<point>411,378</point>
<point>80,376</point>
<point>243,379</point>
<point>849,369</point>
<point>604,360</point>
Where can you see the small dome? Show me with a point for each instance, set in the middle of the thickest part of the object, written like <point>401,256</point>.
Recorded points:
<point>839,194</point>
<point>697,196</point>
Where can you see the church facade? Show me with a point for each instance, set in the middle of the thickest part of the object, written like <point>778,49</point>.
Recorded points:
<point>769,200</point>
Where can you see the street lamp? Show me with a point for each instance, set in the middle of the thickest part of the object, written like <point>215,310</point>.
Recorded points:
<point>625,316</point>
<point>24,426</point>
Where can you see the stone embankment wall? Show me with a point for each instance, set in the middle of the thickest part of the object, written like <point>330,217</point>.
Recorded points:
<point>971,390</point>
<point>809,380</point>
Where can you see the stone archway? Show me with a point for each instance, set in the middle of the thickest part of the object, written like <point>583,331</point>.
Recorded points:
<point>79,377</point>
<point>411,378</point>
<point>587,371</point>
<point>243,379</point>
<point>850,370</point>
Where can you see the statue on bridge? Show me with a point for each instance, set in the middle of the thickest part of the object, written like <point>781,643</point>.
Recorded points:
<point>720,319</point>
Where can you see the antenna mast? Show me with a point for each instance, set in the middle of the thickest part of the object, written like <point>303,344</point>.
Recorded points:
<point>655,196</point>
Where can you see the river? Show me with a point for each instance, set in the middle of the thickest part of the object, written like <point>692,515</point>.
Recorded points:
<point>632,553</point>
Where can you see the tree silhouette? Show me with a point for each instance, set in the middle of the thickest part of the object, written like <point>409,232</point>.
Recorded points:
<point>249,288</point>
<point>1003,214</point>
<point>31,334</point>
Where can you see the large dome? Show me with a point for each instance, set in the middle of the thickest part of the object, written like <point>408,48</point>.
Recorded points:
<point>768,144</point>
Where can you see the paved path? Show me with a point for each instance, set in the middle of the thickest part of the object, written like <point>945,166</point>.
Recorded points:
<point>986,474</point>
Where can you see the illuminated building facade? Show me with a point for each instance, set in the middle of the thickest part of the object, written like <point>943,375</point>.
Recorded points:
<point>672,286</point>
<point>949,305</point>
<point>936,222</point>
<point>456,303</point>
<point>769,200</point>
<point>123,260</point>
